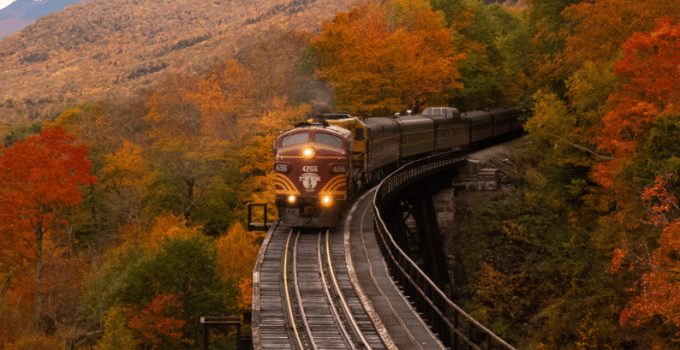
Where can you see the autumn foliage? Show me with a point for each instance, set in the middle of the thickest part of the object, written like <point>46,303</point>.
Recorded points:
<point>658,290</point>
<point>378,64</point>
<point>40,179</point>
<point>236,255</point>
<point>604,166</point>
<point>650,91</point>
<point>156,323</point>
<point>121,219</point>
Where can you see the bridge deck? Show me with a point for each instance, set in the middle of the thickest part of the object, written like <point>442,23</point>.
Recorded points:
<point>381,314</point>
<point>399,319</point>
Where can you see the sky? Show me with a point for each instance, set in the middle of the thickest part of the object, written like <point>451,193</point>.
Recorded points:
<point>4,3</point>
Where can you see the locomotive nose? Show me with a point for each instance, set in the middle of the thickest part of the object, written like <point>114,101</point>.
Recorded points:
<point>312,167</point>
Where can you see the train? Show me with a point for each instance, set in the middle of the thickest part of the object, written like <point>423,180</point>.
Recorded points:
<point>322,163</point>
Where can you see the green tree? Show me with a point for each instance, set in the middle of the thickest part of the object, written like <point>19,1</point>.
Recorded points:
<point>491,73</point>
<point>186,268</point>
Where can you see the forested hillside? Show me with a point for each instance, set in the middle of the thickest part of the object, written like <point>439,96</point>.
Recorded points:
<point>121,215</point>
<point>97,47</point>
<point>585,253</point>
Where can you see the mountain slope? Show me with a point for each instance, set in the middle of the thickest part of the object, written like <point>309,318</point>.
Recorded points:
<point>95,47</point>
<point>21,13</point>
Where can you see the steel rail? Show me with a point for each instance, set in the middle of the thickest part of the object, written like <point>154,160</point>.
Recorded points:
<point>326,289</point>
<point>291,317</point>
<point>345,307</point>
<point>301,305</point>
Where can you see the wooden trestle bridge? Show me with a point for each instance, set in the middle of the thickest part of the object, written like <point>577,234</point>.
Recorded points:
<point>357,286</point>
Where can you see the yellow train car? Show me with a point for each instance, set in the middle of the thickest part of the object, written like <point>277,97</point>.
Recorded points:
<point>359,132</point>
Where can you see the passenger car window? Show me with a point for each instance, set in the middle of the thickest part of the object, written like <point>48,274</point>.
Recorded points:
<point>295,139</point>
<point>328,139</point>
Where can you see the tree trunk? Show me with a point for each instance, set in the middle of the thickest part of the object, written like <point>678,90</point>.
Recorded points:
<point>69,232</point>
<point>190,197</point>
<point>93,208</point>
<point>38,276</point>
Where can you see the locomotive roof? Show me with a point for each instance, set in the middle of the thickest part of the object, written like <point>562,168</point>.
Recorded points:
<point>336,115</point>
<point>333,129</point>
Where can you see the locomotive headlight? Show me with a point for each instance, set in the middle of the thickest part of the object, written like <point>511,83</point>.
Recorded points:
<point>326,200</point>
<point>292,199</point>
<point>308,153</point>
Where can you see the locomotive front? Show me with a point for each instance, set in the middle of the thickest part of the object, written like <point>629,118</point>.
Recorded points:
<point>312,168</point>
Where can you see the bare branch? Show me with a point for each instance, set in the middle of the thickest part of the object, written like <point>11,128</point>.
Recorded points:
<point>583,148</point>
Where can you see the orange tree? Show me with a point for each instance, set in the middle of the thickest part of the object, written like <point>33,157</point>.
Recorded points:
<point>385,58</point>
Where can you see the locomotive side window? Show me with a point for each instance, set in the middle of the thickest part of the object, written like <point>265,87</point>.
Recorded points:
<point>295,139</point>
<point>328,140</point>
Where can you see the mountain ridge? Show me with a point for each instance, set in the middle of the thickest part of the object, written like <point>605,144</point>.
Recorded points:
<point>22,13</point>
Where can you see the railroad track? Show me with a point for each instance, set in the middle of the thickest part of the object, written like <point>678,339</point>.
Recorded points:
<point>305,289</point>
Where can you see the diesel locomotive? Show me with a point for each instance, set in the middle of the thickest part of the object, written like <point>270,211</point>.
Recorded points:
<point>322,163</point>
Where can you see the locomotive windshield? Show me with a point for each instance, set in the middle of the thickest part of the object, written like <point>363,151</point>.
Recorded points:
<point>319,137</point>
<point>295,139</point>
<point>328,140</point>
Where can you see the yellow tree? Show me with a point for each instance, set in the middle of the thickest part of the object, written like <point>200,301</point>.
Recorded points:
<point>126,173</point>
<point>168,226</point>
<point>255,155</point>
<point>236,255</point>
<point>224,97</point>
<point>183,157</point>
<point>116,335</point>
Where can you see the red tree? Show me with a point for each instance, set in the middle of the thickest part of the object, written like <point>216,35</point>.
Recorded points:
<point>660,285</point>
<point>39,179</point>
<point>650,90</point>
<point>156,322</point>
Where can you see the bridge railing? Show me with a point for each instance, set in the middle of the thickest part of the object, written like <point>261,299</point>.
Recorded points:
<point>455,327</point>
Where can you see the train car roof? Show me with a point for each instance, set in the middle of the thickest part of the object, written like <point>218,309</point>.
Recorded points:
<point>376,122</point>
<point>486,113</point>
<point>414,119</point>
<point>379,121</point>
<point>475,115</point>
